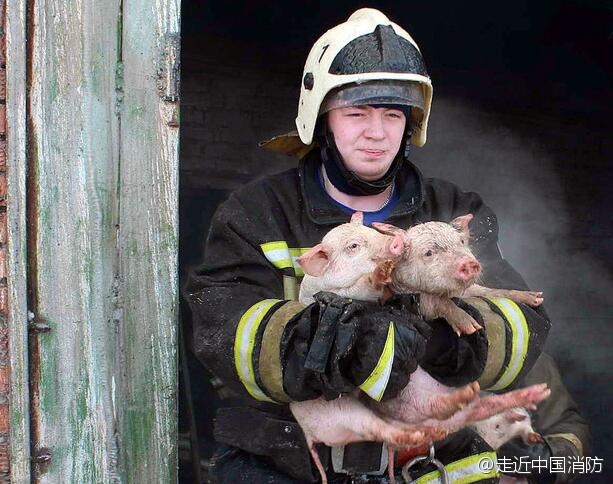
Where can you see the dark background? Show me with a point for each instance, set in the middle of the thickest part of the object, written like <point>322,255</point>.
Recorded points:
<point>521,114</point>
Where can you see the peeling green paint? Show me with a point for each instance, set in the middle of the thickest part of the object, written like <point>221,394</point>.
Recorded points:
<point>48,385</point>
<point>54,88</point>
<point>135,113</point>
<point>97,74</point>
<point>106,244</point>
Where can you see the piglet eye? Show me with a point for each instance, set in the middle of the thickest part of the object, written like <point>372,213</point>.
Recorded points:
<point>354,246</point>
<point>428,254</point>
<point>462,241</point>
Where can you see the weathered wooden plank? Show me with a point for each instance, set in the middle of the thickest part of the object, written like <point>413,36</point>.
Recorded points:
<point>148,239</point>
<point>16,236</point>
<point>74,139</point>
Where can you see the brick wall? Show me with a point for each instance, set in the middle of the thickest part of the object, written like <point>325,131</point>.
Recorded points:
<point>234,96</point>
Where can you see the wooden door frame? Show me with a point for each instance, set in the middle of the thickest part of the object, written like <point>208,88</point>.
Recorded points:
<point>14,28</point>
<point>17,27</point>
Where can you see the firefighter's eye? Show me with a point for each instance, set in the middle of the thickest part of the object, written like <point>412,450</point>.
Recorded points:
<point>428,254</point>
<point>395,114</point>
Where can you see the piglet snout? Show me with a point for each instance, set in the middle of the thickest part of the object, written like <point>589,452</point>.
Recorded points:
<point>467,269</point>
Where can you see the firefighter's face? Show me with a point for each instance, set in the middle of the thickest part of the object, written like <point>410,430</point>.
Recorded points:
<point>367,138</point>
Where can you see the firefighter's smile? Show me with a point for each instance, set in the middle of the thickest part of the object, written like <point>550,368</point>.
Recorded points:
<point>373,153</point>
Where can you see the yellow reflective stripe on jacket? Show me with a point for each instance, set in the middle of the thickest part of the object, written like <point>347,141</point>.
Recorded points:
<point>278,254</point>
<point>244,343</point>
<point>465,471</point>
<point>496,339</point>
<point>376,383</point>
<point>519,343</point>
<point>282,256</point>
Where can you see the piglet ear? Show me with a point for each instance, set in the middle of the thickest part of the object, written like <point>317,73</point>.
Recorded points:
<point>397,245</point>
<point>514,416</point>
<point>461,223</point>
<point>388,229</point>
<point>315,261</point>
<point>400,245</point>
<point>382,274</point>
<point>357,218</point>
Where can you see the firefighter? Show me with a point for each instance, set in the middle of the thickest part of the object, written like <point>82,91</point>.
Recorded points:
<point>365,99</point>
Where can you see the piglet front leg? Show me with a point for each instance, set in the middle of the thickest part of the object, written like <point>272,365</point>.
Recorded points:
<point>493,404</point>
<point>425,398</point>
<point>530,298</point>
<point>477,410</point>
<point>433,306</point>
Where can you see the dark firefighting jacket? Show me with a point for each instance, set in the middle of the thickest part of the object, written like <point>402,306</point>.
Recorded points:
<point>559,420</point>
<point>243,297</point>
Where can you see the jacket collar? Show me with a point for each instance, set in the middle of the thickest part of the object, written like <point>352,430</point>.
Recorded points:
<point>323,212</point>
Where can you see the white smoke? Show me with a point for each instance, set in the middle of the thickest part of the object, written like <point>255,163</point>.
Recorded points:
<point>518,164</point>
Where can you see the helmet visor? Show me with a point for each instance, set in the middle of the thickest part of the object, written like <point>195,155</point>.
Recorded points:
<point>402,93</point>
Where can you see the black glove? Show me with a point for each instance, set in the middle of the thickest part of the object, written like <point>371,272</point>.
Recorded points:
<point>334,345</point>
<point>409,305</point>
<point>460,444</point>
<point>456,360</point>
<point>405,302</point>
<point>516,448</point>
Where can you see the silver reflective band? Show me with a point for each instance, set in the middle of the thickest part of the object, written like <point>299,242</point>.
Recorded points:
<point>282,256</point>
<point>403,93</point>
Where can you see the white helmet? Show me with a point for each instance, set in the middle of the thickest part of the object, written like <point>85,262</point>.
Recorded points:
<point>365,60</point>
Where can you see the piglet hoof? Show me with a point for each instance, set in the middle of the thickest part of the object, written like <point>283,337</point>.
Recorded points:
<point>411,438</point>
<point>424,436</point>
<point>448,404</point>
<point>465,395</point>
<point>472,391</point>
<point>464,324</point>
<point>530,396</point>
<point>403,435</point>
<point>494,404</point>
<point>531,298</point>
<point>434,434</point>
<point>534,438</point>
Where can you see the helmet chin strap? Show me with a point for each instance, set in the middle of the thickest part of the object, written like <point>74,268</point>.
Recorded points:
<point>347,181</point>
